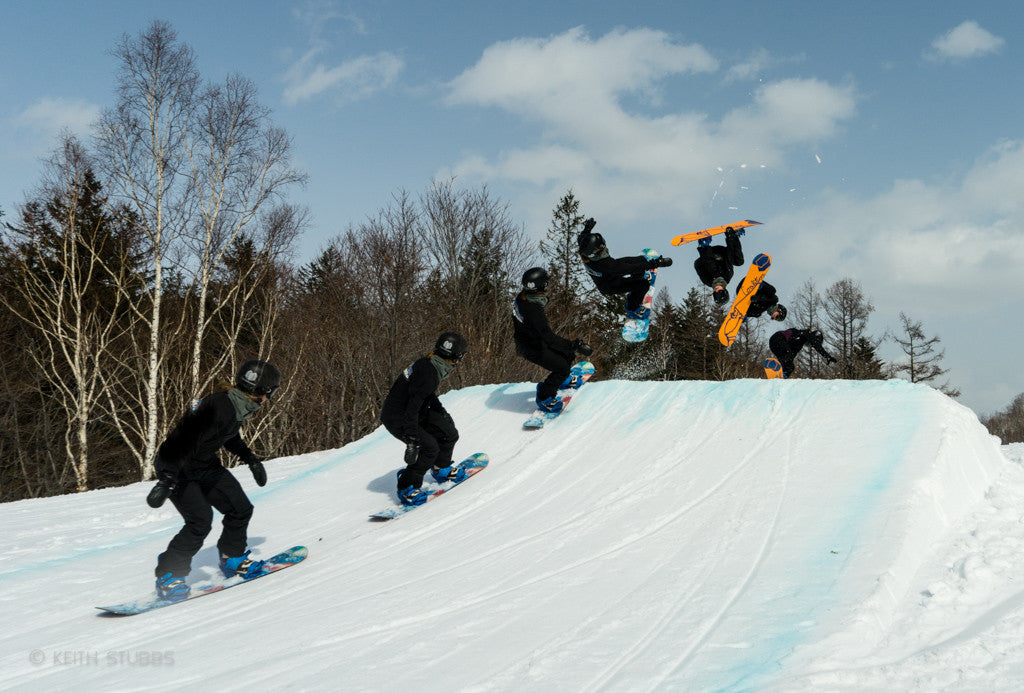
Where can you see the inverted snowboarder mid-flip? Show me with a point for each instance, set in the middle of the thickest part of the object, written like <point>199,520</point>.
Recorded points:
<point>715,263</point>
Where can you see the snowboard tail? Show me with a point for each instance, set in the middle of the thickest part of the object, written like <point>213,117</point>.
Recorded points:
<point>773,369</point>
<point>294,555</point>
<point>474,464</point>
<point>738,312</point>
<point>713,231</point>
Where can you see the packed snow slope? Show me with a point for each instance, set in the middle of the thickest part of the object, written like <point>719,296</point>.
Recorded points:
<point>687,536</point>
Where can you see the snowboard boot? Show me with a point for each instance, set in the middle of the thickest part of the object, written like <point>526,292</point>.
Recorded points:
<point>240,565</point>
<point>449,473</point>
<point>704,242</point>
<point>573,382</point>
<point>551,405</point>
<point>172,589</point>
<point>641,313</point>
<point>410,495</point>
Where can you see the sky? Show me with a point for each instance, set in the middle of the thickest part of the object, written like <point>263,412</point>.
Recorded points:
<point>848,536</point>
<point>876,142</point>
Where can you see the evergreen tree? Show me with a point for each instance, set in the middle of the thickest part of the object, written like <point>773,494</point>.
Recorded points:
<point>922,364</point>
<point>560,253</point>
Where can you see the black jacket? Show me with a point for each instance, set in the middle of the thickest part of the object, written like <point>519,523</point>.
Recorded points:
<point>794,340</point>
<point>617,275</point>
<point>715,261</point>
<point>532,332</point>
<point>412,394</point>
<point>193,444</point>
<point>764,298</point>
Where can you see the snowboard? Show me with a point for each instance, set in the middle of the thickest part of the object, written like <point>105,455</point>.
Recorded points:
<point>773,369</point>
<point>637,330</point>
<point>713,231</point>
<point>581,372</point>
<point>738,312</point>
<point>474,464</point>
<point>294,555</point>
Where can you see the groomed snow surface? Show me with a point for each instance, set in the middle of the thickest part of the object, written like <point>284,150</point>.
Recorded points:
<point>685,536</point>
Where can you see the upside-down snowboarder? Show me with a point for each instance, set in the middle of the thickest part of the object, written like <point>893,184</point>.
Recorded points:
<point>715,263</point>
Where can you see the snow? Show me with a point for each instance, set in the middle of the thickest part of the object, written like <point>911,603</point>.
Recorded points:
<point>741,535</point>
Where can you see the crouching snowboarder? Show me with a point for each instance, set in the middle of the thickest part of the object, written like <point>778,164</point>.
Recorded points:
<point>537,342</point>
<point>413,414</point>
<point>190,474</point>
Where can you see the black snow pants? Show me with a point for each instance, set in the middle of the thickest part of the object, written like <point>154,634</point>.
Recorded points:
<point>195,498</point>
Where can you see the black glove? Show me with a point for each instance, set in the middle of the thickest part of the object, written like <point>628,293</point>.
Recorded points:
<point>661,262</point>
<point>581,347</point>
<point>830,359</point>
<point>412,451</point>
<point>589,225</point>
<point>259,472</point>
<point>160,492</point>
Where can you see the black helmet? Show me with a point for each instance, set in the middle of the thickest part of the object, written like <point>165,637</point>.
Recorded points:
<point>258,378</point>
<point>721,295</point>
<point>781,310</point>
<point>591,245</point>
<point>452,346</point>
<point>535,279</point>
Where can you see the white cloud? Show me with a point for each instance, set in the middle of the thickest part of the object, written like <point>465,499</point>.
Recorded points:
<point>922,246</point>
<point>351,80</point>
<point>49,116</point>
<point>968,40</point>
<point>647,159</point>
<point>563,76</point>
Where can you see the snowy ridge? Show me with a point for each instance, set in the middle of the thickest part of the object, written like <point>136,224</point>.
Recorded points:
<point>729,535</point>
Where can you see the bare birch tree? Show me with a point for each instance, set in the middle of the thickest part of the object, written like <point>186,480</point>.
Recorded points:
<point>65,250</point>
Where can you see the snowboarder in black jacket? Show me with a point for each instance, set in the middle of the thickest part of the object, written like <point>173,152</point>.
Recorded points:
<point>786,344</point>
<point>190,473</point>
<point>625,275</point>
<point>764,301</point>
<point>413,414</point>
<point>537,342</point>
<point>715,263</point>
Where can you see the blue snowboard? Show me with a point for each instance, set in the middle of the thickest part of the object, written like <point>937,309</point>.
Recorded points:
<point>578,375</point>
<point>634,330</point>
<point>294,555</point>
<point>474,464</point>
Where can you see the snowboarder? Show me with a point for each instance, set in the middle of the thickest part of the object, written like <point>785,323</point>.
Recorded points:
<point>715,263</point>
<point>413,414</point>
<point>612,276</point>
<point>764,301</point>
<point>537,342</point>
<point>786,344</point>
<point>189,472</point>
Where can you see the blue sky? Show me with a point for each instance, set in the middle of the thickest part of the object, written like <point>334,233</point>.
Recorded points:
<point>878,141</point>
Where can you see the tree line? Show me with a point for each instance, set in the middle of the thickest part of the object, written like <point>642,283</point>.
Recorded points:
<point>149,263</point>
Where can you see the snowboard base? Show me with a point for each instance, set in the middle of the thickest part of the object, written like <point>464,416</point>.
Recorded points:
<point>713,231</point>
<point>773,369</point>
<point>634,330</point>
